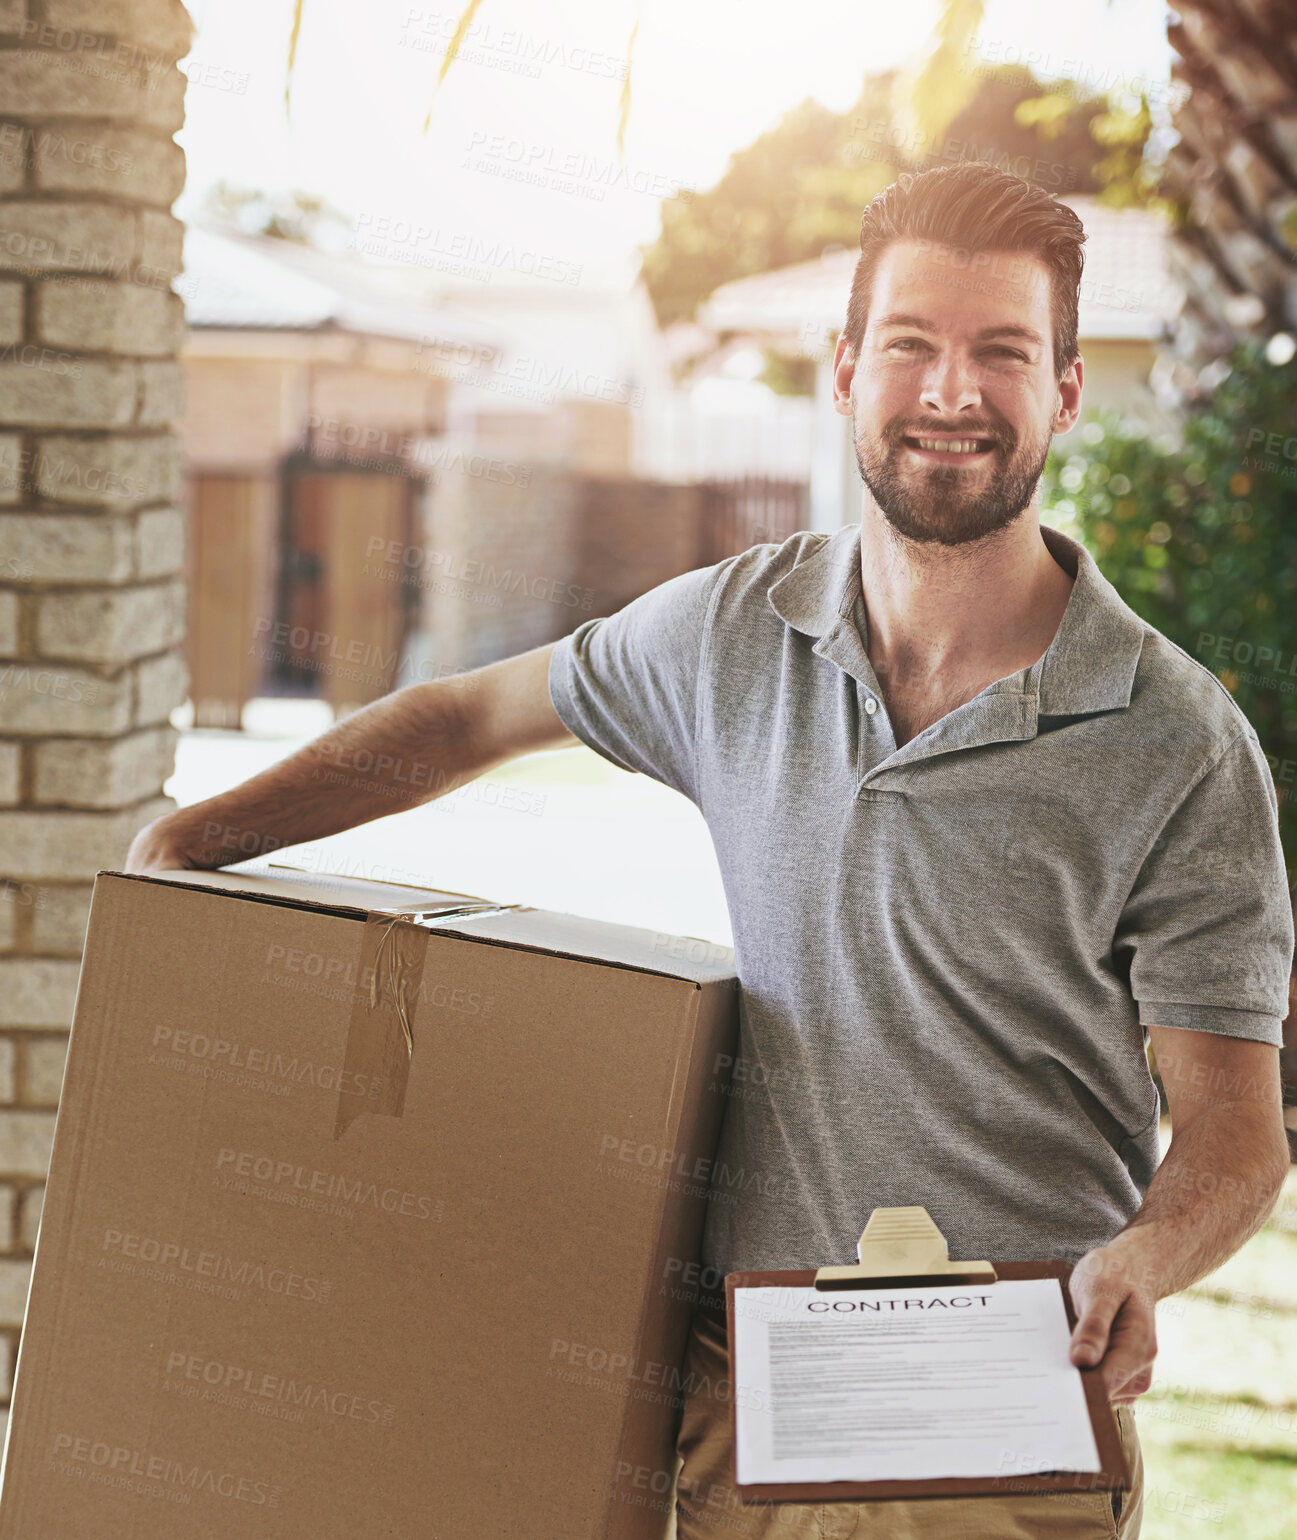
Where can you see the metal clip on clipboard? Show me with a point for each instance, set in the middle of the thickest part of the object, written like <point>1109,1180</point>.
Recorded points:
<point>901,1246</point>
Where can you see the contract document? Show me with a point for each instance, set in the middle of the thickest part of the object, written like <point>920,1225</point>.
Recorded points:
<point>896,1384</point>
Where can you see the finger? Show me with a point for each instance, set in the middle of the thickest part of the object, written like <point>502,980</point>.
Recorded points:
<point>1131,1345</point>
<point>1127,1371</point>
<point>1090,1338</point>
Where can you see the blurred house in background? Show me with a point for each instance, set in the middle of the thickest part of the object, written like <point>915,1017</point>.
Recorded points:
<point>1128,301</point>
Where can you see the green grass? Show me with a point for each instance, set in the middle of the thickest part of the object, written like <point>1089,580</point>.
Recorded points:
<point>1228,1494</point>
<point>1219,1427</point>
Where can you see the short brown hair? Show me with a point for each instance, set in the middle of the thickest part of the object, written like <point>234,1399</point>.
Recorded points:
<point>975,207</point>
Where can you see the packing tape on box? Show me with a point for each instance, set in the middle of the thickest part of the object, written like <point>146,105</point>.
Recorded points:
<point>380,1035</point>
<point>380,1039</point>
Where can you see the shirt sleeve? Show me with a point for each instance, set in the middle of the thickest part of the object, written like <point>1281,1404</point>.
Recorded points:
<point>1208,926</point>
<point>628,684</point>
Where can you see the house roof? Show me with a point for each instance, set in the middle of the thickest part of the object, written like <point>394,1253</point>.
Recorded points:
<point>1126,288</point>
<point>232,280</point>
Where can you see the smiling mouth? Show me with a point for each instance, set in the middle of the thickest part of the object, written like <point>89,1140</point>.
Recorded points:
<point>947,448</point>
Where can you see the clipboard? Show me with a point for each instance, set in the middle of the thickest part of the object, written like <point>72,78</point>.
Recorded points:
<point>902,1246</point>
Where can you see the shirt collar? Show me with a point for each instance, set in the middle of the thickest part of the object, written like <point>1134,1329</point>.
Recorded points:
<point>1089,666</point>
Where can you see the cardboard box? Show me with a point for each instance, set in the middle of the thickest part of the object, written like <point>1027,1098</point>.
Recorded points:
<point>298,1276</point>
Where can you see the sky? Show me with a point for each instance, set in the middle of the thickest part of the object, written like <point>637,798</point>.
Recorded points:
<point>522,143</point>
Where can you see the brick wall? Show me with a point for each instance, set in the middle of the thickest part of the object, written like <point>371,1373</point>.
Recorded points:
<point>92,602</point>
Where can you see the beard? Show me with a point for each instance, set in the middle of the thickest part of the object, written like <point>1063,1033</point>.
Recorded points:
<point>935,502</point>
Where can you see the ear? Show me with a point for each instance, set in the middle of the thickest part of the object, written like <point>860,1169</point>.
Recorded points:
<point>844,371</point>
<point>1069,396</point>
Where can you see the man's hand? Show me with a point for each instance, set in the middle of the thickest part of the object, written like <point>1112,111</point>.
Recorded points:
<point>156,849</point>
<point>1115,1320</point>
<point>1216,1184</point>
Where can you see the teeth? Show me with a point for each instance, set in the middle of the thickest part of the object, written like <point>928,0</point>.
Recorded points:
<point>960,446</point>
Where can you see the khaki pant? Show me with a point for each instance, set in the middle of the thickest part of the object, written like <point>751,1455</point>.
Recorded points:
<point>707,1504</point>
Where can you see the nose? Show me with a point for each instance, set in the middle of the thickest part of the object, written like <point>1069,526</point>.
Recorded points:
<point>950,383</point>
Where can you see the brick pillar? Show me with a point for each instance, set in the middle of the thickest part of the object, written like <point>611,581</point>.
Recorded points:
<point>91,540</point>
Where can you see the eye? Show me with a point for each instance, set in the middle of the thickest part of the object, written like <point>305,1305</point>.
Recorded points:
<point>1011,352</point>
<point>906,341</point>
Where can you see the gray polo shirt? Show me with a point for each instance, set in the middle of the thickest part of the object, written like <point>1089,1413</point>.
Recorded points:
<point>946,951</point>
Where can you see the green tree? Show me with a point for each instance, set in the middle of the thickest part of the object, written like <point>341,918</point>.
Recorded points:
<point>800,188</point>
<point>1198,537</point>
<point>785,197</point>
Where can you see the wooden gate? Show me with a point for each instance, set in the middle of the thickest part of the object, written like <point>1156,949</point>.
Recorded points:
<point>345,606</point>
<point>749,511</point>
<point>232,523</point>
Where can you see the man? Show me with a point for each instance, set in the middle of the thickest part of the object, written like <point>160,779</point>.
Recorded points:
<point>980,829</point>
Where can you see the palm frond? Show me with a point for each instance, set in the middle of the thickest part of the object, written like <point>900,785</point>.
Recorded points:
<point>292,52</point>
<point>624,117</point>
<point>461,32</point>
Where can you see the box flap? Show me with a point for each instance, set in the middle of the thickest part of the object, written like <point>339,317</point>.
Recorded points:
<point>354,895</point>
<point>576,935</point>
<point>567,935</point>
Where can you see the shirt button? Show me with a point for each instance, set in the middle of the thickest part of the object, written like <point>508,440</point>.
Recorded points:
<point>871,705</point>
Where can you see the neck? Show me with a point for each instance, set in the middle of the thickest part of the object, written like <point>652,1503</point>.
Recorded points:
<point>937,611</point>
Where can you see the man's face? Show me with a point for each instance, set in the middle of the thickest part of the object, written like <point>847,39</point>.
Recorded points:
<point>957,348</point>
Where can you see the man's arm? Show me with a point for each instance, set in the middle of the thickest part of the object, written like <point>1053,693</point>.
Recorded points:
<point>408,748</point>
<point>1220,1177</point>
